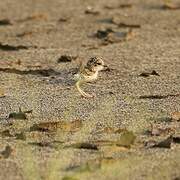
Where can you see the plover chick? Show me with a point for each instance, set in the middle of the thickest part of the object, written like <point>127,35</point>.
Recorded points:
<point>88,73</point>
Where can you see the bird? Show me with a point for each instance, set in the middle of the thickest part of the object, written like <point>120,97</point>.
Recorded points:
<point>88,73</point>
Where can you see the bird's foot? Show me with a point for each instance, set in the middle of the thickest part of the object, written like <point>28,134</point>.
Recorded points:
<point>85,95</point>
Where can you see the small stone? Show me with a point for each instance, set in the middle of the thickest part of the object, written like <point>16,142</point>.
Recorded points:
<point>91,10</point>
<point>175,116</point>
<point>66,58</point>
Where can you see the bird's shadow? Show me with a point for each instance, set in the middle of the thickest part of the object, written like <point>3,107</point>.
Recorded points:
<point>64,78</point>
<point>49,75</point>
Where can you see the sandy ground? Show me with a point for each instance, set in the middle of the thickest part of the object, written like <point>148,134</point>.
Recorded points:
<point>38,33</point>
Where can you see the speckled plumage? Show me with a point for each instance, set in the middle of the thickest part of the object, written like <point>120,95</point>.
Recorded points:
<point>89,73</point>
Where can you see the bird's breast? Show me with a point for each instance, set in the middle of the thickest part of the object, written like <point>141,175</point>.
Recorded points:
<point>93,77</point>
<point>85,77</point>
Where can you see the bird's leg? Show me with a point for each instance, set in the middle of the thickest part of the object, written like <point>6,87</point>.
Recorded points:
<point>81,91</point>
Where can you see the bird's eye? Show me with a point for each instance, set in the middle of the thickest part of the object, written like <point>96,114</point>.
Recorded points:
<point>98,63</point>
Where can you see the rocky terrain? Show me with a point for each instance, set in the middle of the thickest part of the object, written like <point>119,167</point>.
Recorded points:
<point>130,130</point>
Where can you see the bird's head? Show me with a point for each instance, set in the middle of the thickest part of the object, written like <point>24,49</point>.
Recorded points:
<point>95,64</point>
